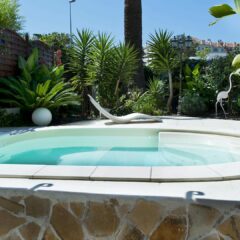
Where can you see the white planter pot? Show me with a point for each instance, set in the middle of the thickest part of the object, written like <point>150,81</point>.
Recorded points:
<point>42,117</point>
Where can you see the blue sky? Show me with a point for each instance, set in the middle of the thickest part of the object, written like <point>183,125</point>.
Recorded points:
<point>179,16</point>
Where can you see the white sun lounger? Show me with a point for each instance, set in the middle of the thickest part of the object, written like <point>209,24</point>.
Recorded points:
<point>123,119</point>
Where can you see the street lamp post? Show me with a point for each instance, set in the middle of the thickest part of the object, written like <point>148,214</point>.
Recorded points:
<point>181,43</point>
<point>70,15</point>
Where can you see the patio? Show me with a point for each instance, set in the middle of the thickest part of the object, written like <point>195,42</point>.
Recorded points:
<point>73,209</point>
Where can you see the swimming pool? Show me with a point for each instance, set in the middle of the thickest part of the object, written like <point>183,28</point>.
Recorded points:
<point>118,147</point>
<point>132,188</point>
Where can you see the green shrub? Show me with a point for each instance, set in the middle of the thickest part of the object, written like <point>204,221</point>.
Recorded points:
<point>193,104</point>
<point>150,102</point>
<point>200,84</point>
<point>10,120</point>
<point>10,15</point>
<point>37,86</point>
<point>126,103</point>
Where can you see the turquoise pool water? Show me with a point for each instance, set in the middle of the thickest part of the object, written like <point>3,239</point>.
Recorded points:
<point>121,149</point>
<point>90,156</point>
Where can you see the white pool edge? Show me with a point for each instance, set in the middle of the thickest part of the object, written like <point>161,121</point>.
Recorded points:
<point>218,172</point>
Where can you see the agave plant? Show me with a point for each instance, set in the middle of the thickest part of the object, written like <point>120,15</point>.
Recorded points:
<point>37,86</point>
<point>224,10</point>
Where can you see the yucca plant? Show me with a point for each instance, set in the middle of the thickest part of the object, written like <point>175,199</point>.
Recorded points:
<point>162,57</point>
<point>101,71</point>
<point>78,66</point>
<point>80,58</point>
<point>112,68</point>
<point>126,64</point>
<point>97,61</point>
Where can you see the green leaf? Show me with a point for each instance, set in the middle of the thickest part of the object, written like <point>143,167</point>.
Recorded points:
<point>43,88</point>
<point>236,61</point>
<point>27,76</point>
<point>187,70</point>
<point>237,4</point>
<point>21,62</point>
<point>221,11</point>
<point>32,60</point>
<point>196,70</point>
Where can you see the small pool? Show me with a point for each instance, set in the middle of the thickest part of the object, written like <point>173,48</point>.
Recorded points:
<point>118,147</point>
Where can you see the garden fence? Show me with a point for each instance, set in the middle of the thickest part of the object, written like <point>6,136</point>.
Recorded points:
<point>12,45</point>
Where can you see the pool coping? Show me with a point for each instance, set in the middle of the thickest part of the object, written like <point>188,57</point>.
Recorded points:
<point>217,172</point>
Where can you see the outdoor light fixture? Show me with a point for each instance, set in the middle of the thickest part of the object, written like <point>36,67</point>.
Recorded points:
<point>181,43</point>
<point>70,11</point>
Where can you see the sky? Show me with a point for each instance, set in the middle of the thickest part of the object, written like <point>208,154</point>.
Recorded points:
<point>178,16</point>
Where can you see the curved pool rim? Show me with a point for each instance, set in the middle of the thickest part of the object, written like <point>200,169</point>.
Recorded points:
<point>216,172</point>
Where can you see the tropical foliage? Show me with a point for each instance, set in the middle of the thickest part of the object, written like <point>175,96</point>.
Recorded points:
<point>97,61</point>
<point>125,65</point>
<point>219,12</point>
<point>162,57</point>
<point>102,68</point>
<point>224,10</point>
<point>37,86</point>
<point>10,120</point>
<point>80,59</point>
<point>193,104</point>
<point>150,102</point>
<point>10,16</point>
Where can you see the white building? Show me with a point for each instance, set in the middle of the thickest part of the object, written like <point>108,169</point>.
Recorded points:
<point>216,49</point>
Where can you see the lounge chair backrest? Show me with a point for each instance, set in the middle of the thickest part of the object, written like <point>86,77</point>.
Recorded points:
<point>100,108</point>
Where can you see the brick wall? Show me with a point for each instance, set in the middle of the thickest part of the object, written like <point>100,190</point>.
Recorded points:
<point>12,45</point>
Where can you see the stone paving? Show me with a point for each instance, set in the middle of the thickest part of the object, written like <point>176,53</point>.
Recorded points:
<point>34,217</point>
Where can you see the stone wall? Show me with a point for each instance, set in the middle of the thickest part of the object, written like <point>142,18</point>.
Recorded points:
<point>58,216</point>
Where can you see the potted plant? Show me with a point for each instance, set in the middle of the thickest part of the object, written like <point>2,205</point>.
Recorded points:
<point>38,89</point>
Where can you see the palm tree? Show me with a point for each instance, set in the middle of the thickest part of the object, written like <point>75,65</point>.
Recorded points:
<point>133,34</point>
<point>162,57</point>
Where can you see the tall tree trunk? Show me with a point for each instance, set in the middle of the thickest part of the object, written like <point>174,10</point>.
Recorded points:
<point>133,35</point>
<point>169,102</point>
<point>86,109</point>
